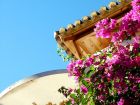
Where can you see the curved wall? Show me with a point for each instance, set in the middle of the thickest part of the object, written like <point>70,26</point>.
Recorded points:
<point>40,88</point>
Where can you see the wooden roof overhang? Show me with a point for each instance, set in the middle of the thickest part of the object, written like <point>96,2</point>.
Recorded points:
<point>79,39</point>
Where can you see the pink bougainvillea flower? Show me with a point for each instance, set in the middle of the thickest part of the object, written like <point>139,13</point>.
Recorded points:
<point>136,5</point>
<point>72,101</point>
<point>136,39</point>
<point>121,102</point>
<point>70,90</point>
<point>84,89</point>
<point>101,98</point>
<point>104,28</point>
<point>88,62</point>
<point>137,60</point>
<point>76,78</point>
<point>87,79</point>
<point>79,63</point>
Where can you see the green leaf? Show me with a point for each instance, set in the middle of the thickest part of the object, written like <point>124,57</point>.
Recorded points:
<point>91,101</point>
<point>89,73</point>
<point>84,100</point>
<point>68,103</point>
<point>78,91</point>
<point>110,98</point>
<point>109,54</point>
<point>90,90</point>
<point>73,96</point>
<point>139,85</point>
<point>92,68</point>
<point>85,83</point>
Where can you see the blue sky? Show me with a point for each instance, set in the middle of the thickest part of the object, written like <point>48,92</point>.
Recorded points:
<point>27,45</point>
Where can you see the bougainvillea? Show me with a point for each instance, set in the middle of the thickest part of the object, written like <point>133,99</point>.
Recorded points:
<point>129,24</point>
<point>112,75</point>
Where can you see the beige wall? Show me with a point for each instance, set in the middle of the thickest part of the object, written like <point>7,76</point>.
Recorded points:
<point>40,90</point>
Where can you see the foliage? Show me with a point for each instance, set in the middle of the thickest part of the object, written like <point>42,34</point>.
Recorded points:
<point>63,55</point>
<point>111,76</point>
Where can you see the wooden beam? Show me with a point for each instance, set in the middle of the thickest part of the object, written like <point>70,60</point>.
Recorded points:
<point>112,14</point>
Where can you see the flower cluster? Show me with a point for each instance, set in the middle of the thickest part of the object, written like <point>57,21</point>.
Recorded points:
<point>129,24</point>
<point>105,28</point>
<point>112,75</point>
